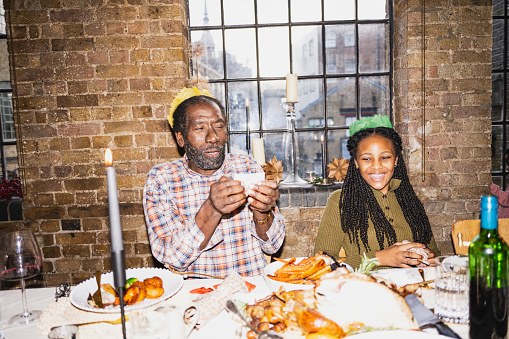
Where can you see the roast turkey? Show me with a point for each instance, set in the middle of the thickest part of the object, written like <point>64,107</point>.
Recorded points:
<point>360,298</point>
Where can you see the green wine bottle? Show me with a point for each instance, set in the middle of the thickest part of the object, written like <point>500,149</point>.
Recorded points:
<point>489,277</point>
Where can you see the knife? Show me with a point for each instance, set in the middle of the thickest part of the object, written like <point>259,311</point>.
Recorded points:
<point>425,317</point>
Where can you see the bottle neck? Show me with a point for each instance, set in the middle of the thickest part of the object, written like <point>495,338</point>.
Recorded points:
<point>489,219</point>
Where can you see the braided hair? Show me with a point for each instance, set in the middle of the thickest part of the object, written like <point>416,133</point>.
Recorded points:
<point>358,204</point>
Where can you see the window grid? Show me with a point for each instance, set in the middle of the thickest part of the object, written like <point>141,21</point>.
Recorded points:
<point>500,125</point>
<point>226,81</point>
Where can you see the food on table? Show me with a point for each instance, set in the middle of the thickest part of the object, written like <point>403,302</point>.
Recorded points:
<point>150,288</point>
<point>360,298</point>
<point>339,305</point>
<point>203,290</point>
<point>307,271</point>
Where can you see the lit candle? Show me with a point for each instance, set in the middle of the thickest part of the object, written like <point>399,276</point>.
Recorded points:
<point>117,244</point>
<point>259,151</point>
<point>291,88</point>
<point>323,157</point>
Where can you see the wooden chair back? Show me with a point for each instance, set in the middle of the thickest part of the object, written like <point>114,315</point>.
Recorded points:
<point>464,231</point>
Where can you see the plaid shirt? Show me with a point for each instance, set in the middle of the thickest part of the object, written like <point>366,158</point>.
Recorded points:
<point>172,196</point>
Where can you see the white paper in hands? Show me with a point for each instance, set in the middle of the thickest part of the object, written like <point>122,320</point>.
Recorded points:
<point>249,178</point>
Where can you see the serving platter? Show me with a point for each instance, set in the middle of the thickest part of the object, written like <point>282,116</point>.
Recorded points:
<point>274,285</point>
<point>397,334</point>
<point>172,283</point>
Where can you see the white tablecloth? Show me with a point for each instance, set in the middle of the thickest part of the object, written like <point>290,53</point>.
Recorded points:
<point>221,327</point>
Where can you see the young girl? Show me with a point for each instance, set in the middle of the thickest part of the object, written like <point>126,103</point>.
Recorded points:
<point>376,212</point>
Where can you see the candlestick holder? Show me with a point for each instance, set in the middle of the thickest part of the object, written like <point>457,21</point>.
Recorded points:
<point>291,176</point>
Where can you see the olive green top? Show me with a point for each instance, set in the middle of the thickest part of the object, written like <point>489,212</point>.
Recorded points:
<point>331,238</point>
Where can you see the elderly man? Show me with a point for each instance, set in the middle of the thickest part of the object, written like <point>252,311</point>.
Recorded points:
<point>198,218</point>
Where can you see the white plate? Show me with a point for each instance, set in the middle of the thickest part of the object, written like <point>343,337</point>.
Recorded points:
<point>274,285</point>
<point>398,334</point>
<point>172,283</point>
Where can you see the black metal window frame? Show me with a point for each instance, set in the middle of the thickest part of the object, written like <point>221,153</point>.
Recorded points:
<point>501,176</point>
<point>4,142</point>
<point>324,76</point>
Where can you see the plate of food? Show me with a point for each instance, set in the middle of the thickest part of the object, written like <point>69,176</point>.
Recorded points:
<point>159,285</point>
<point>300,273</point>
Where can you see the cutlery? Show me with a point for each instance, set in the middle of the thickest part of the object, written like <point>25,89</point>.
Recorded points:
<point>192,273</point>
<point>427,318</point>
<point>97,297</point>
<point>270,334</point>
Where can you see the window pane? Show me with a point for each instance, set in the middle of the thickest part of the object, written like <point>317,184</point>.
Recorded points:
<point>217,90</point>
<point>238,144</point>
<point>374,92</point>
<point>336,145</point>
<point>372,9</point>
<point>208,45</point>
<point>272,11</point>
<point>310,149</point>
<point>497,96</point>
<point>339,9</point>
<point>243,105</point>
<point>199,15</point>
<point>274,51</point>
<point>273,113</point>
<point>498,7</point>
<point>310,108</point>
<point>341,101</point>
<point>273,146</point>
<point>7,117</point>
<point>240,57</point>
<point>11,160</point>
<point>496,148</point>
<point>238,12</point>
<point>373,48</point>
<point>497,55</point>
<point>306,10</point>
<point>307,50</point>
<point>340,53</point>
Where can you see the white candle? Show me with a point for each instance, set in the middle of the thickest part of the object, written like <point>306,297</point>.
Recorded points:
<point>291,88</point>
<point>259,151</point>
<point>117,243</point>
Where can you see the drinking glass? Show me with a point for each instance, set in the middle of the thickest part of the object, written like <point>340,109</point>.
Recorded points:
<point>452,288</point>
<point>20,259</point>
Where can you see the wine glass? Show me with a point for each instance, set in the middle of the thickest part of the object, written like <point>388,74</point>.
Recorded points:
<point>20,259</point>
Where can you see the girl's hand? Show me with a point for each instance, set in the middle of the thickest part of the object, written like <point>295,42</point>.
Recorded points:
<point>398,255</point>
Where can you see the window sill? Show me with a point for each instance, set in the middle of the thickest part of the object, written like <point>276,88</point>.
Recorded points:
<point>306,196</point>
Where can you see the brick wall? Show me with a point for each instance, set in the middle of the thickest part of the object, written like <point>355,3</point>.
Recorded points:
<point>89,75</point>
<point>94,74</point>
<point>456,105</point>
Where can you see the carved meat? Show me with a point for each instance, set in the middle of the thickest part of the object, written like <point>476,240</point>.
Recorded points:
<point>358,298</point>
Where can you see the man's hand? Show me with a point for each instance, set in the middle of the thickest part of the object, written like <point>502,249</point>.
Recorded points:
<point>226,195</point>
<point>262,197</point>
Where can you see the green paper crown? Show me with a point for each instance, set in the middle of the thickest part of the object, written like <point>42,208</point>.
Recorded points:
<point>371,122</point>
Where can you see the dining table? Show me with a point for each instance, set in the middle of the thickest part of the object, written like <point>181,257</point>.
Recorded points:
<point>224,325</point>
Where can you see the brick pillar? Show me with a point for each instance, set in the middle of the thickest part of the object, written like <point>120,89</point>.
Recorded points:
<point>89,75</point>
<point>457,105</point>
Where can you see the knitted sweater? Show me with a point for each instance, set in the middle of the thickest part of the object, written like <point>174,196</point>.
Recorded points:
<point>331,238</point>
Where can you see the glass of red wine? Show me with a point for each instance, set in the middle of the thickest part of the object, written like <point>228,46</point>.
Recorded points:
<point>20,259</point>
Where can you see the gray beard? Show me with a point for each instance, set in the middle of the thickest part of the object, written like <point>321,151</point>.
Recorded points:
<point>200,160</point>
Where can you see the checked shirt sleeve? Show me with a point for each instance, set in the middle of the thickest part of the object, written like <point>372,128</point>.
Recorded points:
<point>173,240</point>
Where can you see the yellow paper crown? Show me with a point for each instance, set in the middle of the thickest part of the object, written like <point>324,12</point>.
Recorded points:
<point>184,94</point>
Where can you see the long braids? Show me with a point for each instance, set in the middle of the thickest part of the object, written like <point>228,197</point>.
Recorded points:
<point>358,204</point>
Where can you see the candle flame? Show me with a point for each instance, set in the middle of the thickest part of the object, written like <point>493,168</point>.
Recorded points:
<point>321,137</point>
<point>108,157</point>
<point>247,102</point>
